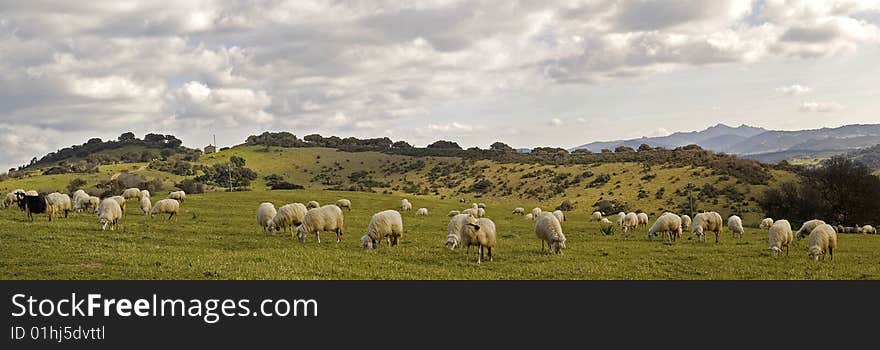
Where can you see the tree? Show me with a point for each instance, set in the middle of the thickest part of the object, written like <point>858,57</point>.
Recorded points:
<point>314,138</point>
<point>582,151</point>
<point>443,144</point>
<point>645,147</point>
<point>501,147</point>
<point>129,136</point>
<point>401,144</point>
<point>237,161</point>
<point>623,149</point>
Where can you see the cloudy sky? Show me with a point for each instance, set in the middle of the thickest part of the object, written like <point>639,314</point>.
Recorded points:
<point>530,73</point>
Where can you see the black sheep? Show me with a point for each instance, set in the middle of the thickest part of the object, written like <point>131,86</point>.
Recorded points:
<point>32,204</point>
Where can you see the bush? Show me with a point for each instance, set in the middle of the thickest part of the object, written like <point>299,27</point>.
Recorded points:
<point>191,186</point>
<point>75,184</point>
<point>565,206</point>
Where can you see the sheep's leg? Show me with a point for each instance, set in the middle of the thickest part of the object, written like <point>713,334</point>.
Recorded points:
<point>480,259</point>
<point>831,252</point>
<point>170,216</point>
<point>318,236</point>
<point>490,252</point>
<point>338,235</point>
<point>786,250</point>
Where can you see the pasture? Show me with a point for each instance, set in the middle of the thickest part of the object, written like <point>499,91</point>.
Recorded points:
<point>216,237</point>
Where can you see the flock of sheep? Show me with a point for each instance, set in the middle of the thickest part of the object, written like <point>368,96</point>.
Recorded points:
<point>108,210</point>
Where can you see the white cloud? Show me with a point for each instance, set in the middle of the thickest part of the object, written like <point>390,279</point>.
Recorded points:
<point>821,107</point>
<point>454,126</point>
<point>556,122</point>
<point>795,89</point>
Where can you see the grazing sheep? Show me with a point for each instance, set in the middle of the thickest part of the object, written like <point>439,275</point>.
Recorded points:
<point>529,216</point>
<point>313,205</point>
<point>536,212</point>
<point>643,220</point>
<point>840,229</point>
<point>470,211</point>
<point>288,217</point>
<point>735,225</point>
<point>822,240</point>
<point>167,206</point>
<point>88,203</point>
<point>180,196</point>
<point>605,221</point>
<point>344,203</point>
<point>57,203</point>
<point>108,212</point>
<point>630,222</point>
<point>326,218</point>
<point>10,200</point>
<point>78,196</point>
<point>32,204</point>
<point>422,212</point>
<point>386,224</point>
<point>265,213</point>
<point>405,205</point>
<point>620,217</point>
<point>685,222</point>
<point>462,200</point>
<point>519,211</point>
<point>780,236</point>
<point>453,213</point>
<point>559,216</point>
<point>548,229</point>
<point>455,229</point>
<point>121,202</point>
<point>708,221</point>
<point>480,232</point>
<point>808,227</point>
<point>667,223</point>
<point>145,204</point>
<point>766,223</point>
<point>597,215</point>
<point>145,193</point>
<point>481,205</point>
<point>475,206</point>
<point>481,212</point>
<point>131,193</point>
<point>868,229</point>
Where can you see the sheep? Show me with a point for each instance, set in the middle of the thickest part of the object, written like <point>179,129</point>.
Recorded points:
<point>822,240</point>
<point>481,212</point>
<point>108,212</point>
<point>808,227</point>
<point>630,222</point>
<point>868,229</point>
<point>288,217</point>
<point>32,204</point>
<point>313,205</point>
<point>605,221</point>
<point>405,205</point>
<point>31,193</point>
<point>518,211</point>
<point>685,222</point>
<point>559,216</point>
<point>265,212</point>
<point>386,224</point>
<point>667,223</point>
<point>529,216</point>
<point>735,225</point>
<point>779,236</point>
<point>766,223</point>
<point>145,204</point>
<point>470,211</point>
<point>462,200</point>
<point>422,212</point>
<point>643,220</point>
<point>453,213</point>
<point>708,221</point>
<point>91,203</point>
<point>475,206</point>
<point>57,203</point>
<point>536,212</point>
<point>454,230</point>
<point>180,196</point>
<point>166,206</point>
<point>480,232</point>
<point>344,203</point>
<point>548,229</point>
<point>326,218</point>
<point>10,200</point>
<point>81,201</point>
<point>121,202</point>
<point>620,217</point>
<point>840,229</point>
<point>481,205</point>
<point>131,193</point>
<point>597,215</point>
<point>145,193</point>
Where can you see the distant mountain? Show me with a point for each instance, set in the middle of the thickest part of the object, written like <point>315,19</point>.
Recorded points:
<point>761,144</point>
<point>869,156</point>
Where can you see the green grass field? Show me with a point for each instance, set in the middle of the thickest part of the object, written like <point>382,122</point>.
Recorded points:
<point>216,237</point>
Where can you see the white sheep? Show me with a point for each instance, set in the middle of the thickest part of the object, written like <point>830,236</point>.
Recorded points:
<point>779,237</point>
<point>288,217</point>
<point>868,229</point>
<point>597,215</point>
<point>620,217</point>
<point>455,228</point>
<point>475,206</point>
<point>559,216</point>
<point>808,227</point>
<point>108,212</point>
<point>386,224</point>
<point>630,222</point>
<point>480,232</point>
<point>166,206</point>
<point>265,212</point>
<point>121,201</point>
<point>481,212</point>
<point>529,216</point>
<point>548,229</point>
<point>453,213</point>
<point>405,205</point>
<point>685,223</point>
<point>519,211</point>
<point>536,212</point>
<point>87,203</point>
<point>471,211</point>
<point>131,193</point>
<point>180,196</point>
<point>822,240</point>
<point>10,200</point>
<point>605,221</point>
<point>707,222</point>
<point>344,203</point>
<point>145,204</point>
<point>326,218</point>
<point>145,193</point>
<point>31,193</point>
<point>766,223</point>
<point>481,205</point>
<point>57,203</point>
<point>735,225</point>
<point>667,223</point>
<point>643,220</point>
<point>78,197</point>
<point>422,212</point>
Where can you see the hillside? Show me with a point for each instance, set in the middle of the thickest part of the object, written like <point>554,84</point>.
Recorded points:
<point>869,156</point>
<point>716,138</point>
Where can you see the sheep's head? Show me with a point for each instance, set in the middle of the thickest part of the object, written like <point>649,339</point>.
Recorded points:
<point>367,242</point>
<point>451,242</point>
<point>815,252</point>
<point>774,251</point>
<point>301,233</point>
<point>698,232</point>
